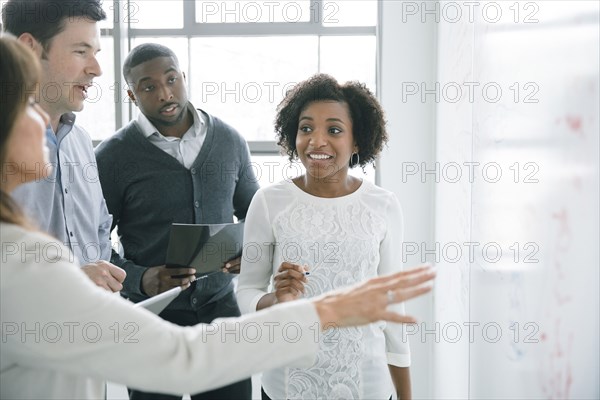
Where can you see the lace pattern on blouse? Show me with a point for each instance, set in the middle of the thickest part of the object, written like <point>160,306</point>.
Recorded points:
<point>340,245</point>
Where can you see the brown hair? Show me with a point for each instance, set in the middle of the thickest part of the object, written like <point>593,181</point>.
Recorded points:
<point>44,19</point>
<point>19,73</point>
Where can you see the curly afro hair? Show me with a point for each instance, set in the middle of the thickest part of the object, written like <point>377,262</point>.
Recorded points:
<point>368,120</point>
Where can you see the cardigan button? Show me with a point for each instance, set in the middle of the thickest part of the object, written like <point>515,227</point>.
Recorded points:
<point>193,171</point>
<point>197,204</point>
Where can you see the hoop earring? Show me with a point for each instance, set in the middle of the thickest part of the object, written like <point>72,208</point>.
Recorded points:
<point>352,162</point>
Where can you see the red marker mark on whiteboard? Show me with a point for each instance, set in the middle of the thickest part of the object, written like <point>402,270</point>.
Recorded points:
<point>574,123</point>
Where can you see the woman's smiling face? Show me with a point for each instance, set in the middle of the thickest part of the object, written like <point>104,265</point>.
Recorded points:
<point>325,141</point>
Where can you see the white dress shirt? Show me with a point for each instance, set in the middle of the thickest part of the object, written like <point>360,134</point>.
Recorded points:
<point>184,150</point>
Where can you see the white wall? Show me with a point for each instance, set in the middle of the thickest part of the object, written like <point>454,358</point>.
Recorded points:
<point>407,52</point>
<point>554,300</point>
<point>540,294</point>
<point>546,308</point>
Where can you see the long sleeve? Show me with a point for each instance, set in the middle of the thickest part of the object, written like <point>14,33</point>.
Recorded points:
<point>139,179</point>
<point>75,329</point>
<point>398,351</point>
<point>68,203</point>
<point>104,229</point>
<point>257,267</point>
<point>133,283</point>
<point>247,183</point>
<point>112,176</point>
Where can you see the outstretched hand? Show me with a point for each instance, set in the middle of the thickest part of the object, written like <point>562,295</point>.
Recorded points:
<point>368,302</point>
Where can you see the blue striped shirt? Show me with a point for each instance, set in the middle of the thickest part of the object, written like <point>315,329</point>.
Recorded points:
<point>68,203</point>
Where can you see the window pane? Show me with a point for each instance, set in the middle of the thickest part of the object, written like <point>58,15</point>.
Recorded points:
<point>349,13</point>
<point>177,44</point>
<point>98,115</point>
<point>242,79</point>
<point>273,169</point>
<point>215,12</point>
<point>148,14</point>
<point>108,7</point>
<point>345,65</point>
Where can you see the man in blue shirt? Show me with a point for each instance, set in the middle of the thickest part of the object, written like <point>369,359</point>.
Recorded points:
<point>68,203</point>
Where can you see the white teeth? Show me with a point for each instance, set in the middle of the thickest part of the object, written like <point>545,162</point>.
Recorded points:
<point>319,156</point>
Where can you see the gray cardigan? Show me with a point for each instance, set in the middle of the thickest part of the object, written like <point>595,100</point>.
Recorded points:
<point>146,190</point>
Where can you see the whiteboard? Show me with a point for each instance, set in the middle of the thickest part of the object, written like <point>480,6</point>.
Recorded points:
<point>517,310</point>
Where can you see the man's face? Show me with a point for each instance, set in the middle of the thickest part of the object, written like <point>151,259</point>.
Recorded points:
<point>69,66</point>
<point>158,89</point>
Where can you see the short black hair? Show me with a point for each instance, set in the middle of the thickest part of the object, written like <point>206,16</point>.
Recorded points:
<point>145,52</point>
<point>44,19</point>
<point>368,119</point>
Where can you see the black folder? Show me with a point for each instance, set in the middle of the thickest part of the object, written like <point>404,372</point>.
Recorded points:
<point>205,247</point>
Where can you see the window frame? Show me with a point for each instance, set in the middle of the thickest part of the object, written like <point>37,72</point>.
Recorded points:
<point>123,35</point>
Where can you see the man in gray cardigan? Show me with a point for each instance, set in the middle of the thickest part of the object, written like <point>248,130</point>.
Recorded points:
<point>173,164</point>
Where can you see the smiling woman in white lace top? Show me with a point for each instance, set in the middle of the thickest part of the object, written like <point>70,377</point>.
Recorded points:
<point>327,230</point>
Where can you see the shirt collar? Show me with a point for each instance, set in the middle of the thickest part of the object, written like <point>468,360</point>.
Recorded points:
<point>65,125</point>
<point>148,129</point>
<point>67,119</point>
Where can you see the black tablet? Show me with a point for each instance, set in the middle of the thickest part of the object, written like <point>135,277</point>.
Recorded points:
<point>205,247</point>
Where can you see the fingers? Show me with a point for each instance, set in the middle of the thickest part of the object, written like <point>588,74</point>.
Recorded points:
<point>412,272</point>
<point>402,274</point>
<point>417,269</point>
<point>407,287</point>
<point>185,282</point>
<point>287,294</point>
<point>292,271</point>
<point>369,301</point>
<point>398,318</point>
<point>407,294</point>
<point>289,282</point>
<point>289,286</point>
<point>413,281</point>
<point>178,272</point>
<point>406,279</point>
<point>101,273</point>
<point>113,284</point>
<point>177,277</point>
<point>118,273</point>
<point>168,278</point>
<point>290,278</point>
<point>233,266</point>
<point>170,283</point>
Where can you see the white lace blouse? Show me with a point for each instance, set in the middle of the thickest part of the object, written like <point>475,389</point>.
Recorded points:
<point>343,241</point>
